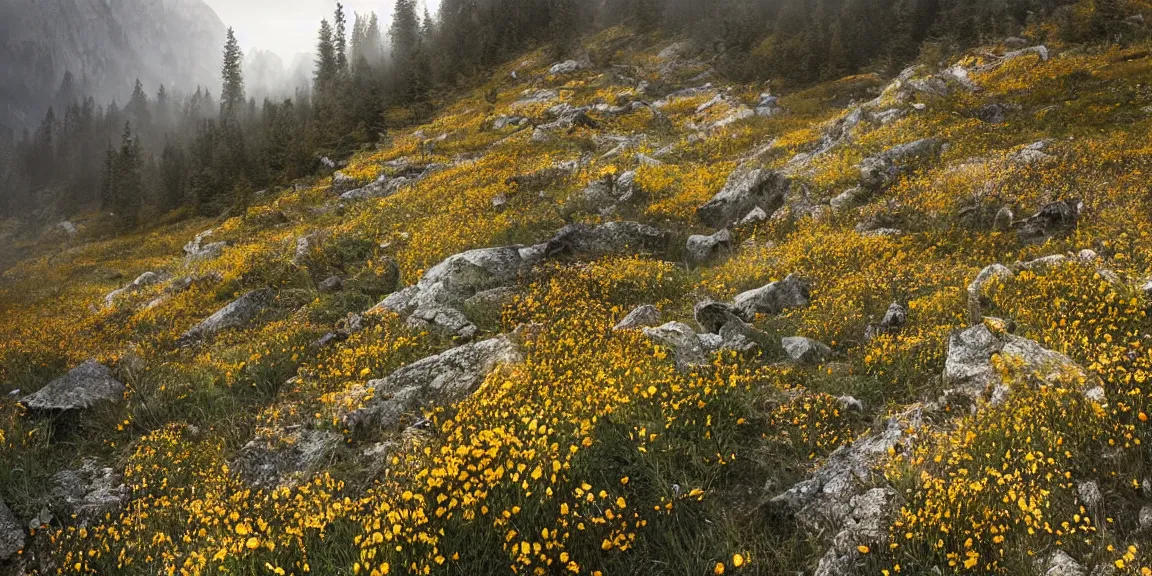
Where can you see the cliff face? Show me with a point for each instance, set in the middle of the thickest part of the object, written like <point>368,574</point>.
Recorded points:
<point>106,45</point>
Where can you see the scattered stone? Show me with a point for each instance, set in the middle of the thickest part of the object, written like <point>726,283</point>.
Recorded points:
<point>89,492</point>
<point>971,364</point>
<point>537,97</point>
<point>566,67</point>
<point>438,379</point>
<point>235,315</point>
<point>282,461</point>
<point>11,534</point>
<point>197,250</point>
<point>703,249</point>
<point>877,172</point>
<point>642,317</point>
<point>1145,519</point>
<point>1053,219</point>
<point>805,350</point>
<point>143,281</point>
<point>1003,220</point>
<point>979,287</point>
<point>87,385</point>
<point>1031,154</point>
<point>755,216</point>
<point>774,298</point>
<point>1061,564</point>
<point>750,186</point>
<point>68,228</point>
<point>1041,51</point>
<point>610,238</point>
<point>851,198</point>
<point>673,51</point>
<point>768,106</point>
<point>43,519</point>
<point>894,319</point>
<point>607,193</point>
<point>331,285</point>
<point>682,340</point>
<point>342,183</point>
<point>505,121</point>
<point>850,404</point>
<point>740,336</point>
<point>991,113</point>
<point>1040,264</point>
<point>713,316</point>
<point>1089,493</point>
<point>328,163</point>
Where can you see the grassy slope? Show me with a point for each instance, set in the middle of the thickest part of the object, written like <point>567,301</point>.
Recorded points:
<point>596,455</point>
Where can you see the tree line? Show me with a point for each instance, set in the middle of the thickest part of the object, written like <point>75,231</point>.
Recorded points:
<point>193,154</point>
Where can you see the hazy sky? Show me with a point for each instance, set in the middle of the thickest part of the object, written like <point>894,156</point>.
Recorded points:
<point>287,27</point>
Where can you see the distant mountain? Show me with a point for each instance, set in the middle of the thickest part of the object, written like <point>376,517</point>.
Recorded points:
<point>106,45</point>
<point>265,75</point>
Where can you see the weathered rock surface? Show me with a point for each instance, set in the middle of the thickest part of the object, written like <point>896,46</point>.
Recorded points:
<point>566,67</point>
<point>877,172</point>
<point>198,250</point>
<point>11,534</point>
<point>330,285</point>
<point>237,314</point>
<point>438,298</point>
<point>1053,219</point>
<point>89,492</point>
<point>87,385</point>
<point>979,287</point>
<point>1061,564</point>
<point>683,342</point>
<point>774,298</point>
<point>970,367</point>
<point>712,316</point>
<point>847,497</point>
<point>749,187</point>
<point>702,249</point>
<point>610,238</point>
<point>607,193</point>
<point>437,379</point>
<point>279,462</point>
<point>642,317</point>
<point>807,351</point>
<point>143,281</point>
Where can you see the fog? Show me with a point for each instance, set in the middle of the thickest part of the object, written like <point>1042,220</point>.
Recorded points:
<point>289,27</point>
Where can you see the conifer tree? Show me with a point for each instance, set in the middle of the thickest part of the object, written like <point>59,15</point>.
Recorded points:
<point>232,96</point>
<point>340,40</point>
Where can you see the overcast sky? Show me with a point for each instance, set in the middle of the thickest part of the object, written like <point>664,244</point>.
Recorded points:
<point>288,27</point>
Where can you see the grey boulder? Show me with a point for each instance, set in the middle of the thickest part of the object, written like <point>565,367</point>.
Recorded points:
<point>682,341</point>
<point>980,287</point>
<point>713,316</point>
<point>750,186</point>
<point>806,351</point>
<point>237,314</point>
<point>439,379</point>
<point>642,317</point>
<point>11,534</point>
<point>272,463</point>
<point>89,492</point>
<point>702,249</point>
<point>970,370</point>
<point>610,238</point>
<point>877,172</point>
<point>87,385</point>
<point>774,298</point>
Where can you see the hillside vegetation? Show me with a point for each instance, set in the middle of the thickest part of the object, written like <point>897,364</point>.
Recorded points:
<point>417,365</point>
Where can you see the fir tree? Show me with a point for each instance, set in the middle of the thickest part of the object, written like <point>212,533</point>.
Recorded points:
<point>232,95</point>
<point>340,40</point>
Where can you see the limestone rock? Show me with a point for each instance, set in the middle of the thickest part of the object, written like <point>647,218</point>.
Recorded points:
<point>682,340</point>
<point>235,315</point>
<point>969,368</point>
<point>281,461</point>
<point>774,298</point>
<point>87,385</point>
<point>703,249</point>
<point>89,492</point>
<point>1089,493</point>
<point>750,186</point>
<point>805,350</point>
<point>198,250</point>
<point>1061,564</point>
<point>438,379</point>
<point>331,285</point>
<point>143,281</point>
<point>712,316</point>
<point>877,172</point>
<point>1145,519</point>
<point>1052,219</point>
<point>851,198</point>
<point>642,317</point>
<point>566,67</point>
<point>610,238</point>
<point>11,534</point>
<point>978,288</point>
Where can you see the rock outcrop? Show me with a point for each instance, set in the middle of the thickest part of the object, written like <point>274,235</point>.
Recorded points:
<point>237,314</point>
<point>89,492</point>
<point>878,172</point>
<point>682,341</point>
<point>978,289</point>
<point>774,298</point>
<point>143,281</point>
<point>749,187</point>
<point>11,534</point>
<point>702,249</point>
<point>275,463</point>
<point>87,385</point>
<point>642,317</point>
<point>805,351</point>
<point>610,238</point>
<point>438,379</point>
<point>976,354</point>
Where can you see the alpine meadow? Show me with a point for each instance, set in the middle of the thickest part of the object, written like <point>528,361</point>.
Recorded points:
<point>601,288</point>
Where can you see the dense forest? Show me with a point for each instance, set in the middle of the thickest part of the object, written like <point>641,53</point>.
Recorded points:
<point>196,153</point>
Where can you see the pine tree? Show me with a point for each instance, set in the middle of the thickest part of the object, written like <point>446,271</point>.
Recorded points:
<point>340,40</point>
<point>126,187</point>
<point>232,95</point>
<point>405,34</point>
<point>137,108</point>
<point>173,175</point>
<point>325,62</point>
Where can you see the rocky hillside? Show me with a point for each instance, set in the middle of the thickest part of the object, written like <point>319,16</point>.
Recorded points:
<point>622,318</point>
<point>106,46</point>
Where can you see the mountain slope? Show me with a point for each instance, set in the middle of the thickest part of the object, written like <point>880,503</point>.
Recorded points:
<point>625,319</point>
<point>106,46</point>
